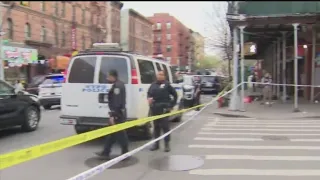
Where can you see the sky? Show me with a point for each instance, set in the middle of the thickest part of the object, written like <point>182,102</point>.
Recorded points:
<point>194,15</point>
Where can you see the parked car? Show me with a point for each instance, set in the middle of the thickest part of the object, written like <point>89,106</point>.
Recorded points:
<point>210,84</point>
<point>18,108</point>
<point>191,94</point>
<point>50,90</point>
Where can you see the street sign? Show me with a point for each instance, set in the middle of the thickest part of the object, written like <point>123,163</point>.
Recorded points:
<point>250,48</point>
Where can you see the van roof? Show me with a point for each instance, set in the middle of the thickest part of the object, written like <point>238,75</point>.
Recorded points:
<point>126,53</point>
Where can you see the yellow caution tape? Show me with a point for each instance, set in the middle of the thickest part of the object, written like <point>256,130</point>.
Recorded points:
<point>27,154</point>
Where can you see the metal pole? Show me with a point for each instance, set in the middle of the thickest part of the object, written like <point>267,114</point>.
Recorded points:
<point>284,63</point>
<point>234,98</point>
<point>274,68</point>
<point>313,60</point>
<point>242,66</point>
<point>278,66</point>
<point>1,58</point>
<point>295,27</point>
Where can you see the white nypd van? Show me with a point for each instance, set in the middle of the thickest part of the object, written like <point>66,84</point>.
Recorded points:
<point>84,94</point>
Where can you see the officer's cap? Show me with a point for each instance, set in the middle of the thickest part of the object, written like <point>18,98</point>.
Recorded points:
<point>113,73</point>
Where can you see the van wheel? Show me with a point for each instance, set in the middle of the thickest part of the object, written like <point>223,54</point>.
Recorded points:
<point>179,117</point>
<point>81,129</point>
<point>47,107</point>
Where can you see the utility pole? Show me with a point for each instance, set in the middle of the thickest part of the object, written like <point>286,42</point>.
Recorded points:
<point>109,21</point>
<point>1,38</point>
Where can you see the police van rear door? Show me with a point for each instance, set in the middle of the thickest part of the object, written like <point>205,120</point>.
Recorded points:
<point>85,91</point>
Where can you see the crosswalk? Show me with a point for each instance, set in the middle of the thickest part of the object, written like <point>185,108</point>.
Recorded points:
<point>250,147</point>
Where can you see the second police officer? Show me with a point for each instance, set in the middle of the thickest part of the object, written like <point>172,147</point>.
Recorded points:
<point>159,98</point>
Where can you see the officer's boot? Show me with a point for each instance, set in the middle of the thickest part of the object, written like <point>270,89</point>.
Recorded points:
<point>155,146</point>
<point>167,147</point>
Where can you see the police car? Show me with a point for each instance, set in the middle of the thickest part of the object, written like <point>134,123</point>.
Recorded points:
<point>84,102</point>
<point>50,90</point>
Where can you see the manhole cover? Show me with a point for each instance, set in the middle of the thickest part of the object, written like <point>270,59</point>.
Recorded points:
<point>176,163</point>
<point>275,138</point>
<point>95,161</point>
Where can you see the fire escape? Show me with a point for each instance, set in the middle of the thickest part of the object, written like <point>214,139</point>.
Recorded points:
<point>98,33</point>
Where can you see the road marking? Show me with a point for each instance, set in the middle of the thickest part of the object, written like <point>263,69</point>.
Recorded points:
<point>209,146</point>
<point>249,139</point>
<point>254,129</point>
<point>190,113</point>
<point>271,126</point>
<point>255,172</point>
<point>258,134</point>
<point>263,158</point>
<point>267,121</point>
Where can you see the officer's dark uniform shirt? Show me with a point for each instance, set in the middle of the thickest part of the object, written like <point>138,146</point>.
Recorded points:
<point>161,91</point>
<point>117,98</point>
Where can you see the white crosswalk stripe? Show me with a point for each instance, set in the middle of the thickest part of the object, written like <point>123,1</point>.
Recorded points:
<point>251,147</point>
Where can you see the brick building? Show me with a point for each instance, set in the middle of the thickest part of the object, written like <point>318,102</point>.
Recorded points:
<point>58,27</point>
<point>171,39</point>
<point>136,32</point>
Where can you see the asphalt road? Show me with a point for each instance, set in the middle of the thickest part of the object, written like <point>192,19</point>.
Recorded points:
<point>228,148</point>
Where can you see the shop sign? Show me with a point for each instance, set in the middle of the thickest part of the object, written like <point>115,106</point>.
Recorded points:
<point>19,56</point>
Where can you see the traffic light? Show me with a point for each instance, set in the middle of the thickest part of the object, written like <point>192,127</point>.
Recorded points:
<point>25,3</point>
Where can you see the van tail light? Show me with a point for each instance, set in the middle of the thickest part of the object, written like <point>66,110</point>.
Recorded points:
<point>134,77</point>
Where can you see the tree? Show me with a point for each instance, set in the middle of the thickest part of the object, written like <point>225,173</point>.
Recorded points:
<point>219,38</point>
<point>209,62</point>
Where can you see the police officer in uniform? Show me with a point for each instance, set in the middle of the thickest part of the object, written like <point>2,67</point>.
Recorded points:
<point>117,106</point>
<point>160,103</point>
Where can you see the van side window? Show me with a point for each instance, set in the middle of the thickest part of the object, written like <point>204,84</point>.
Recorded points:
<point>164,67</point>
<point>147,71</point>
<point>158,67</point>
<point>82,70</point>
<point>117,63</point>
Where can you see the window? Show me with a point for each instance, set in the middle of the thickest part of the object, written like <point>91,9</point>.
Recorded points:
<point>83,16</point>
<point>10,28</point>
<point>63,10</point>
<point>43,34</point>
<point>158,26</point>
<point>43,6</point>
<point>83,42</point>
<point>158,37</point>
<point>117,63</point>
<point>169,59</point>
<point>147,71</point>
<point>168,37</point>
<point>5,89</point>
<point>165,70</point>
<point>158,67</point>
<point>169,48</point>
<point>82,70</point>
<point>27,31</point>
<point>63,43</point>
<point>168,25</point>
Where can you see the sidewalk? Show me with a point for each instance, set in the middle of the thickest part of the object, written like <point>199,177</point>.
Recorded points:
<point>278,110</point>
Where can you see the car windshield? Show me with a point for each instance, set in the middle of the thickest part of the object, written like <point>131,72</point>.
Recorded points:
<point>53,79</point>
<point>187,80</point>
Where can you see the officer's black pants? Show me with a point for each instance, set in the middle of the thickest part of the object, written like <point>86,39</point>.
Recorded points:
<point>121,137</point>
<point>161,124</point>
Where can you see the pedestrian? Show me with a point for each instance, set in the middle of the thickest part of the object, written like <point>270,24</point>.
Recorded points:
<point>117,115</point>
<point>267,89</point>
<point>18,86</point>
<point>160,103</point>
<point>197,91</point>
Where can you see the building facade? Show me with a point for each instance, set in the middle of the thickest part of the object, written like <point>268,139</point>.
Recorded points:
<point>136,32</point>
<point>58,27</point>
<point>198,46</point>
<point>171,39</point>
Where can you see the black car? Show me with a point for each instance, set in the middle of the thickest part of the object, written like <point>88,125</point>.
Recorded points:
<point>210,84</point>
<point>18,108</point>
